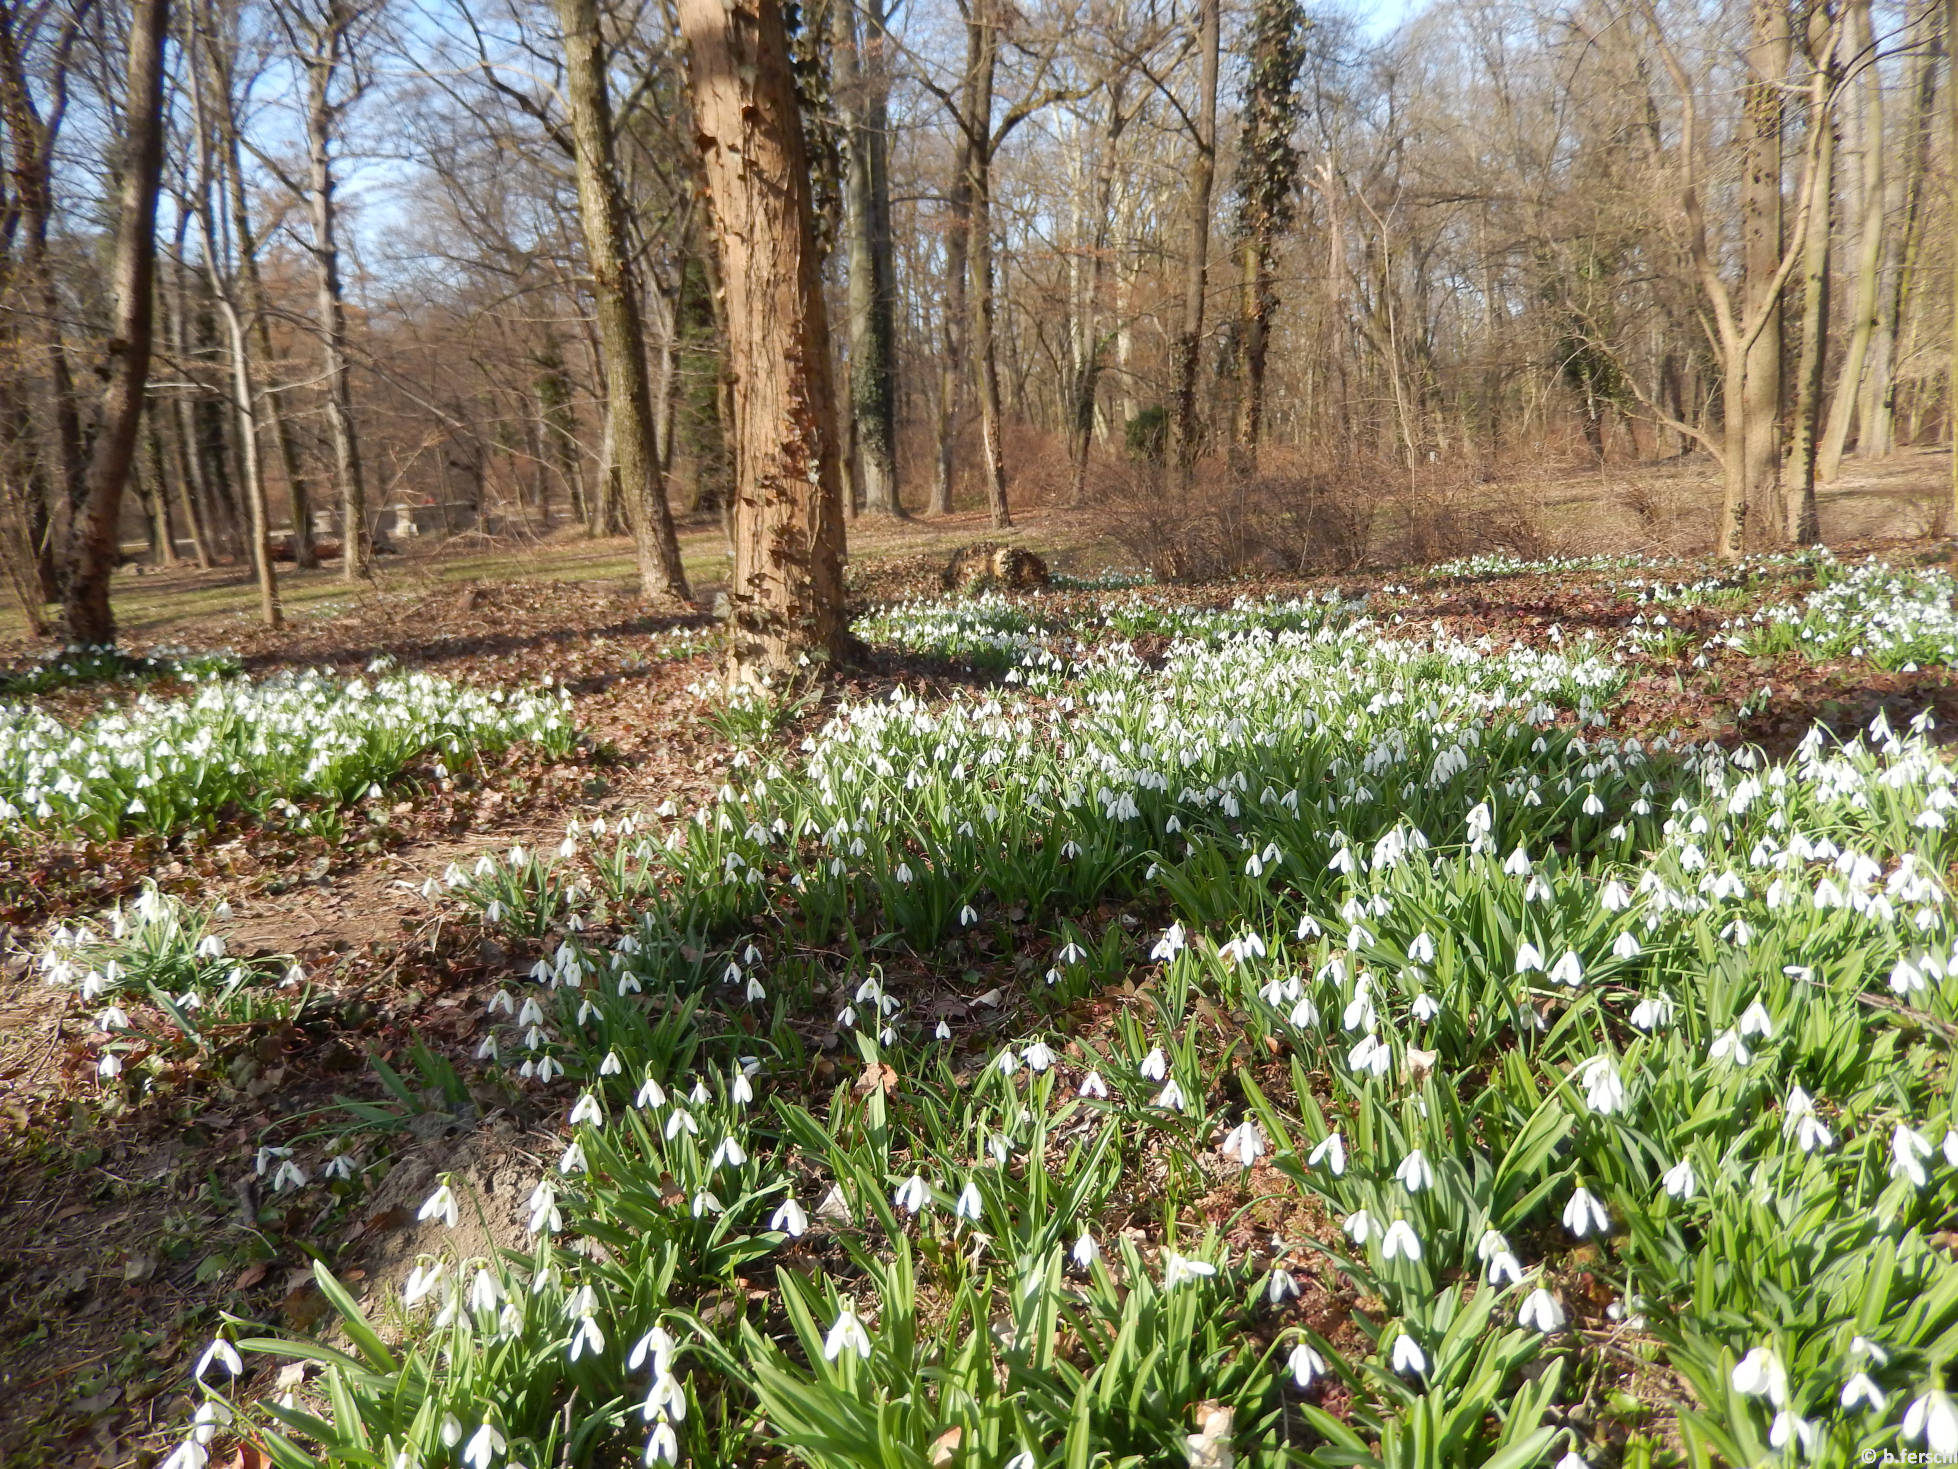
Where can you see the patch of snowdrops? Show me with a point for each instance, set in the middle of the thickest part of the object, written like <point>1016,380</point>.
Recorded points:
<point>78,666</point>
<point>1897,619</point>
<point>159,982</point>
<point>160,765</point>
<point>1482,1052</point>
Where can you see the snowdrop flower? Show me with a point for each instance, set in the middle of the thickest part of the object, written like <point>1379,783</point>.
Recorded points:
<point>1093,1086</point>
<point>969,1205</point>
<point>483,1447</point>
<point>1085,1251</point>
<point>912,1195</point>
<point>1568,971</point>
<point>1754,1021</point>
<point>109,1067</point>
<point>223,1354</point>
<point>1680,1180</point>
<point>1788,1428</point>
<point>1281,1287</point>
<point>1155,1065</point>
<point>587,1110</point>
<point>1038,1056</point>
<point>1169,945</point>
<point>1371,1055</point>
<point>190,1454</point>
<point>1727,1046</point>
<point>1504,1268</point>
<point>1170,1097</point>
<point>1244,1143</point>
<point>1408,1357</point>
<point>573,1160</point>
<point>440,1205</point>
<point>1400,1239</point>
<point>1653,1012</point>
<point>1177,1269</point>
<point>421,1284</point>
<point>1415,1173</point>
<point>655,1344</point>
<point>1306,1366</point>
<point>1625,946</point>
<point>1573,1460</point>
<point>1426,1007</point>
<point>1863,1347</point>
<point>1860,1391</point>
<point>1359,1226</point>
<point>587,1338</point>
<point>663,1447</point>
<point>789,1218</point>
<point>1800,1119</point>
<point>544,1216</point>
<point>1585,1215</point>
<point>728,1151</point>
<point>1604,1090</point>
<point>1760,1374</point>
<point>1933,1418</point>
<point>1908,1149</point>
<point>1541,1312</point>
<point>1331,1151</point>
<point>1528,958</point>
<point>211,1415</point>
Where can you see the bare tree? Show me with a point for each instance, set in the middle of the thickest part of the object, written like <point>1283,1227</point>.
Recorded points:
<point>1196,271</point>
<point>635,453</point>
<point>862,62</point>
<point>93,541</point>
<point>213,115</point>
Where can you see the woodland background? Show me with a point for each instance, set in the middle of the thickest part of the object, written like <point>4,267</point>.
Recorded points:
<point>1306,291</point>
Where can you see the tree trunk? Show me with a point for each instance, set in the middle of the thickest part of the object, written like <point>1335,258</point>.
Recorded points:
<point>159,477</point>
<point>1951,233</point>
<point>1761,229</point>
<point>863,93</point>
<point>985,20</point>
<point>621,333</point>
<point>786,595</point>
<point>1196,278</point>
<point>1901,243</point>
<point>1869,246</point>
<point>206,110</point>
<point>252,289</point>
<point>94,540</point>
<point>953,327</point>
<point>32,136</point>
<point>356,535</point>
<point>1800,522</point>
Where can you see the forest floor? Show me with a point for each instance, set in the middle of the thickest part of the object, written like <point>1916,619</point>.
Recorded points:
<point>129,1229</point>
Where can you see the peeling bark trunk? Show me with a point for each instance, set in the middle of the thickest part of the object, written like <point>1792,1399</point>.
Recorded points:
<point>786,596</point>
